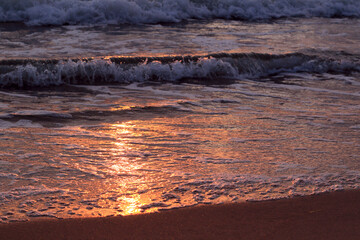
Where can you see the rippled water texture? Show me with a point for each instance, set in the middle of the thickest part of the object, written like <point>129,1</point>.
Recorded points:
<point>194,37</point>
<point>123,150</point>
<point>122,136</point>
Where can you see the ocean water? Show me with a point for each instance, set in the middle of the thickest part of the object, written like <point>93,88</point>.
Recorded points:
<point>118,107</point>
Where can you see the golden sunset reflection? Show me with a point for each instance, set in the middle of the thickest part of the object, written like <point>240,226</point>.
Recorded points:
<point>123,152</point>
<point>158,157</point>
<point>124,168</point>
<point>121,108</point>
<point>130,204</point>
<point>116,118</point>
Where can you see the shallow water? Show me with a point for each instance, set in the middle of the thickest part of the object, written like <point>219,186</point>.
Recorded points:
<point>256,111</point>
<point>190,38</point>
<point>105,150</point>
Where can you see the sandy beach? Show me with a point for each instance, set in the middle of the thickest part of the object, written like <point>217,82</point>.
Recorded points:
<point>326,216</point>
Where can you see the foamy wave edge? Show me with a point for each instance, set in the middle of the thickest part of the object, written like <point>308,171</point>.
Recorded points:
<point>33,73</point>
<point>60,12</point>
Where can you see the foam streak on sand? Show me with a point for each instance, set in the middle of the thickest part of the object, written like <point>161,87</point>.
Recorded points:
<point>327,216</point>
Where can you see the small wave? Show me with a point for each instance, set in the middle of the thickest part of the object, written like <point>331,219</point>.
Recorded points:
<point>23,192</point>
<point>20,123</point>
<point>127,70</point>
<point>42,113</point>
<point>60,12</point>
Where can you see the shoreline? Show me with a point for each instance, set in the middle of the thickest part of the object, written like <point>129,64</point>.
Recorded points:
<point>334,215</point>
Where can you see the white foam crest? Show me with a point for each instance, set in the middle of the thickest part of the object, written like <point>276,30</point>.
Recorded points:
<point>102,71</point>
<point>59,12</point>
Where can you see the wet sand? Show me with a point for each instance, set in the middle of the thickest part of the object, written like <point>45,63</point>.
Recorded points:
<point>326,216</point>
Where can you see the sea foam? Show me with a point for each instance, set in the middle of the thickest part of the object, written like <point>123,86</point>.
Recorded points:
<point>231,66</point>
<point>59,12</point>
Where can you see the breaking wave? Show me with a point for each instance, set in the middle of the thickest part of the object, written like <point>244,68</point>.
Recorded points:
<point>60,12</point>
<point>32,73</point>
